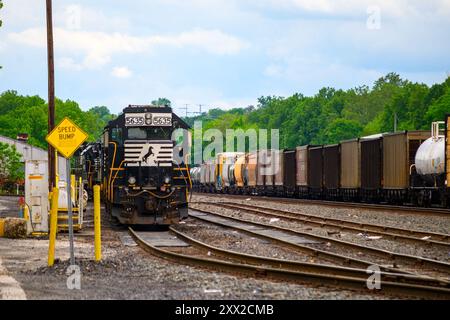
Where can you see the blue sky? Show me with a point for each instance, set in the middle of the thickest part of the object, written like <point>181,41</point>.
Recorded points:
<point>219,53</point>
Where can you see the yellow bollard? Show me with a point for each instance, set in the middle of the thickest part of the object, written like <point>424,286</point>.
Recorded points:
<point>26,214</point>
<point>53,227</point>
<point>97,225</point>
<point>80,183</point>
<point>73,186</point>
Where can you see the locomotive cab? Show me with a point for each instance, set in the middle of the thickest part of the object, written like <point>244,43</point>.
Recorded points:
<point>146,176</point>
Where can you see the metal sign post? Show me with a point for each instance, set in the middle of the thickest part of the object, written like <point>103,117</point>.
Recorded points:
<point>69,212</point>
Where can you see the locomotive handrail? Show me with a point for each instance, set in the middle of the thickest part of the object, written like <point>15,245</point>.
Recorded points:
<point>151,193</point>
<point>108,195</point>
<point>111,187</point>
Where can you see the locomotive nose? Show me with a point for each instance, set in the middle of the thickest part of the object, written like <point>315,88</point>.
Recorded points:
<point>150,205</point>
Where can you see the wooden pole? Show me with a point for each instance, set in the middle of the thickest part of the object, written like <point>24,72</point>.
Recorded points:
<point>51,96</point>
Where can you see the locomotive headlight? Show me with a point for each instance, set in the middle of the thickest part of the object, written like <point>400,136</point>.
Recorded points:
<point>167,180</point>
<point>131,180</point>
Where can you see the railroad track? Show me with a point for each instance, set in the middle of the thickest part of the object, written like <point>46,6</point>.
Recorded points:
<point>298,271</point>
<point>341,204</point>
<point>415,236</point>
<point>390,256</point>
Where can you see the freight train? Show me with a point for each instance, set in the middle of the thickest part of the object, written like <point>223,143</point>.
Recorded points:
<point>408,167</point>
<point>142,181</point>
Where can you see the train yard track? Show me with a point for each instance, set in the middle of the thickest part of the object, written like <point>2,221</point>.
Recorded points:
<point>392,258</point>
<point>286,270</point>
<point>341,204</point>
<point>414,236</point>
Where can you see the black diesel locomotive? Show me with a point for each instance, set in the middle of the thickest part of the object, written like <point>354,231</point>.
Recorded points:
<point>144,176</point>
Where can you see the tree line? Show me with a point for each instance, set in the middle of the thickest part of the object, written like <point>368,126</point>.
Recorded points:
<point>29,114</point>
<point>333,115</point>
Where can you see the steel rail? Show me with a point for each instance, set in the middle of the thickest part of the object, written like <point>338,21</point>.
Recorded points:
<point>343,224</point>
<point>352,205</point>
<point>413,290</point>
<point>397,257</point>
<point>309,267</point>
<point>330,256</point>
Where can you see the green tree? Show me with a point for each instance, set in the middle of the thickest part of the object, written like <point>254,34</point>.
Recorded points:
<point>28,114</point>
<point>1,22</point>
<point>440,108</point>
<point>162,102</point>
<point>11,168</point>
<point>340,130</point>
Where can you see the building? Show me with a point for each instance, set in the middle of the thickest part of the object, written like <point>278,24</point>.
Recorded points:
<point>30,152</point>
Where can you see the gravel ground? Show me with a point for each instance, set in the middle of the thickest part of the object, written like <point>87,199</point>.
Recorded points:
<point>131,273</point>
<point>400,220</point>
<point>394,246</point>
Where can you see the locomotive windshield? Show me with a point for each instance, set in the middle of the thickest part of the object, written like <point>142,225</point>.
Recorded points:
<point>150,133</point>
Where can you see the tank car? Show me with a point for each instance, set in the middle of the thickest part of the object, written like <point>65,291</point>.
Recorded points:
<point>428,174</point>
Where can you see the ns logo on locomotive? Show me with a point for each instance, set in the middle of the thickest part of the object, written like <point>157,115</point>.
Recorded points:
<point>143,173</point>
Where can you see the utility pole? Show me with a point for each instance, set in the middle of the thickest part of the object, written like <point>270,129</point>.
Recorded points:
<point>200,108</point>
<point>186,106</point>
<point>51,97</point>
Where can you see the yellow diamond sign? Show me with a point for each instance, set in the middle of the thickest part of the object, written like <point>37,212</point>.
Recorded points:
<point>66,137</point>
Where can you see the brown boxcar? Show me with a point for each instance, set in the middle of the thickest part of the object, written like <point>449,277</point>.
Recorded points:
<point>447,150</point>
<point>371,167</point>
<point>315,171</point>
<point>289,178</point>
<point>399,150</point>
<point>260,171</point>
<point>331,170</point>
<point>279,175</point>
<point>271,167</point>
<point>302,172</point>
<point>350,169</point>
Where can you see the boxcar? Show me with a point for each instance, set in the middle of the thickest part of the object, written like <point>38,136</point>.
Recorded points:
<point>371,168</point>
<point>251,173</point>
<point>350,169</point>
<point>399,150</point>
<point>271,167</point>
<point>279,175</point>
<point>315,171</point>
<point>260,172</point>
<point>289,166</point>
<point>331,171</point>
<point>302,172</point>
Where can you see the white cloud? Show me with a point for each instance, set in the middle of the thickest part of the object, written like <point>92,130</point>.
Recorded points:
<point>273,71</point>
<point>98,47</point>
<point>121,72</point>
<point>356,8</point>
<point>68,64</point>
<point>78,17</point>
